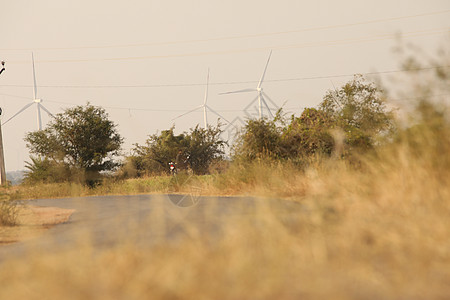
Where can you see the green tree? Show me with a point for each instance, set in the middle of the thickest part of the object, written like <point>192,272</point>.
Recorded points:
<point>204,146</point>
<point>308,134</point>
<point>195,149</point>
<point>81,138</point>
<point>154,156</point>
<point>359,110</point>
<point>259,138</point>
<point>46,171</point>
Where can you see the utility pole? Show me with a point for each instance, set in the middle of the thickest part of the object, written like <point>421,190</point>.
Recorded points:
<point>2,157</point>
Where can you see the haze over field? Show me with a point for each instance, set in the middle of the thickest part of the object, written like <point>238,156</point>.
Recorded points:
<point>146,62</point>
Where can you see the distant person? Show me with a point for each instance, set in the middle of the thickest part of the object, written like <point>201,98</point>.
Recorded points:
<point>179,159</point>
<point>3,67</point>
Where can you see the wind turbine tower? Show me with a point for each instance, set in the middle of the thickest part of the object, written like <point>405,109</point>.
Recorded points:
<point>205,107</point>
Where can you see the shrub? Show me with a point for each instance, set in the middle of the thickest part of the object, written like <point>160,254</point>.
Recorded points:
<point>9,212</point>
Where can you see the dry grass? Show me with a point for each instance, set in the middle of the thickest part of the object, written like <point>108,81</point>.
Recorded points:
<point>380,231</point>
<point>9,211</point>
<point>157,184</point>
<point>31,221</point>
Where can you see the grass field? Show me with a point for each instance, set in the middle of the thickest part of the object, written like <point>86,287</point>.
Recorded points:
<point>380,230</point>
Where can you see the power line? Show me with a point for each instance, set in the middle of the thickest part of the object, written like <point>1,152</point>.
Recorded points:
<point>228,82</point>
<point>240,110</point>
<point>131,108</point>
<point>229,110</point>
<point>319,28</point>
<point>374,38</point>
<point>287,109</point>
<point>15,96</point>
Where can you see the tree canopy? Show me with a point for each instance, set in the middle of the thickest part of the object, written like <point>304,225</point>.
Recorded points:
<point>195,150</point>
<point>82,139</point>
<point>359,110</point>
<point>356,111</point>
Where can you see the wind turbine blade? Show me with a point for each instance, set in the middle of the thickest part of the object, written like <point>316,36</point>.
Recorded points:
<point>46,110</point>
<point>188,112</point>
<point>265,104</point>
<point>206,91</point>
<point>34,78</point>
<point>217,114</point>
<point>239,91</point>
<point>271,101</point>
<point>23,108</point>
<point>265,69</point>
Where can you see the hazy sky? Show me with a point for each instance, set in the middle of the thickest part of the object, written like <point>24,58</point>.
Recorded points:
<point>146,62</point>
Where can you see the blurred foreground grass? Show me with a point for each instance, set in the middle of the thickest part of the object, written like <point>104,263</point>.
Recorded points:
<point>377,231</point>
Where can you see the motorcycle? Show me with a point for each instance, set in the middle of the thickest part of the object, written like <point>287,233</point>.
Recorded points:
<point>172,168</point>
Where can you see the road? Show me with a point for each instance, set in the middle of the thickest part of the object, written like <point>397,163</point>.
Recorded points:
<point>108,220</point>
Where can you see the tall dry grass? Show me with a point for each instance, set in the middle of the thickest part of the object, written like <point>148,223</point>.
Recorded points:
<point>379,231</point>
<point>9,211</point>
<point>109,186</point>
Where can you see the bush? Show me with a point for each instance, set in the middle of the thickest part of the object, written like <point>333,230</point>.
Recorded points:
<point>259,139</point>
<point>9,212</point>
<point>309,134</point>
<point>355,114</point>
<point>359,110</point>
<point>194,150</point>
<point>43,170</point>
<point>81,141</point>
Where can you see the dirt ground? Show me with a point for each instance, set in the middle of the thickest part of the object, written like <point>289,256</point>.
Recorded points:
<point>32,222</point>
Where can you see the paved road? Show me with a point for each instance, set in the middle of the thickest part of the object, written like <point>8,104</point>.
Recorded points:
<point>106,220</point>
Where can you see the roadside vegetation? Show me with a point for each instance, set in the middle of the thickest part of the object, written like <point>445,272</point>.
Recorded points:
<point>349,122</point>
<point>76,146</point>
<point>374,188</point>
<point>9,211</point>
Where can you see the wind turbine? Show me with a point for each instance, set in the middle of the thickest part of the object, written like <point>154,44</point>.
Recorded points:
<point>205,108</point>
<point>36,101</point>
<point>260,97</point>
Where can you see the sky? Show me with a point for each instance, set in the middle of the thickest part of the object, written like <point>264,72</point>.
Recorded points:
<point>146,62</point>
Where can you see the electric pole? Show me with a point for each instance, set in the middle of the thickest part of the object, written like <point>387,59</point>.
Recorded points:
<point>2,157</point>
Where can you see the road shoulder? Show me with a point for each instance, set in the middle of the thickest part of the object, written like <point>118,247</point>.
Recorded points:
<point>33,221</point>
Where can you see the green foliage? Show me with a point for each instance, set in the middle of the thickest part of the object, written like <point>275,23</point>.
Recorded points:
<point>302,137</point>
<point>429,137</point>
<point>9,211</point>
<point>45,170</point>
<point>155,155</point>
<point>203,146</point>
<point>355,111</point>
<point>81,139</point>
<point>359,110</point>
<point>195,149</point>
<point>259,138</point>
<point>308,134</point>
